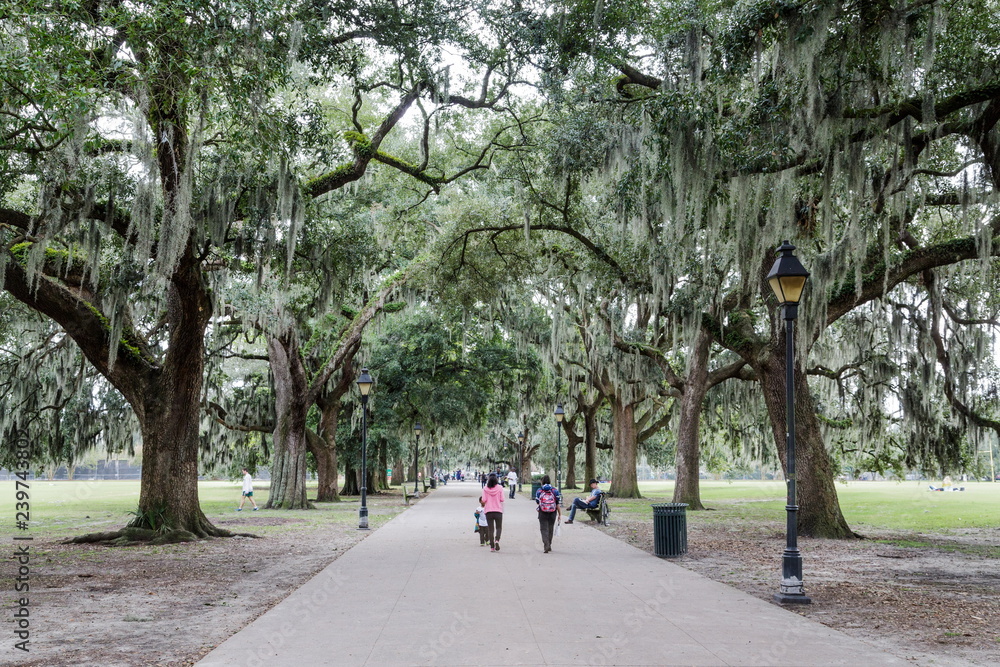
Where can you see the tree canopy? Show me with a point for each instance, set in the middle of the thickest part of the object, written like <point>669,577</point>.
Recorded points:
<point>211,215</point>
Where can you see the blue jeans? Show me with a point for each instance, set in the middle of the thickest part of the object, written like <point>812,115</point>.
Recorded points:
<point>579,504</point>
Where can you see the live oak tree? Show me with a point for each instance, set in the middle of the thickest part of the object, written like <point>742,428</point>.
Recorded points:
<point>119,121</point>
<point>733,125</point>
<point>139,146</point>
<point>774,121</point>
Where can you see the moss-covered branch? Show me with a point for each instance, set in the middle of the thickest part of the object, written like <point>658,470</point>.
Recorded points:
<point>882,278</point>
<point>914,106</point>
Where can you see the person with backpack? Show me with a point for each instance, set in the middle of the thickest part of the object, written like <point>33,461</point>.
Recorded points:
<point>492,499</point>
<point>548,500</point>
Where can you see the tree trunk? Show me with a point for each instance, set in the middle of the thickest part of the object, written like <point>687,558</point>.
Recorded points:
<point>324,450</point>
<point>398,473</point>
<point>590,438</point>
<point>624,480</point>
<point>571,464</point>
<point>819,509</point>
<point>687,489</point>
<point>572,440</point>
<point>383,462</point>
<point>326,468</point>
<point>170,421</point>
<point>371,469</point>
<point>168,496</point>
<point>529,452</point>
<point>288,469</point>
<point>351,486</point>
<point>168,406</point>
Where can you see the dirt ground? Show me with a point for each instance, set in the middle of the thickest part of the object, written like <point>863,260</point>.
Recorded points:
<point>931,599</point>
<point>170,605</point>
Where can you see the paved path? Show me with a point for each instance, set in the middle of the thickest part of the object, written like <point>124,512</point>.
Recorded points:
<point>421,591</point>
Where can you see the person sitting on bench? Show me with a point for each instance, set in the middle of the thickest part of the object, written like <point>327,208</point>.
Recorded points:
<point>592,502</point>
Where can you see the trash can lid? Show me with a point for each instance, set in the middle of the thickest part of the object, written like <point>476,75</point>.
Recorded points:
<point>661,509</point>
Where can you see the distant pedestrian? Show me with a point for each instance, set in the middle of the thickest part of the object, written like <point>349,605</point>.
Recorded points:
<point>548,500</point>
<point>247,491</point>
<point>512,481</point>
<point>481,524</point>
<point>492,500</point>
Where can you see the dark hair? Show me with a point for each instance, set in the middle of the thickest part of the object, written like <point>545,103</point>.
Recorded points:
<point>492,481</point>
<point>546,480</point>
<point>594,481</point>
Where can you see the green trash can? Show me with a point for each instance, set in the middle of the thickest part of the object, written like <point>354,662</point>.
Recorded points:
<point>534,489</point>
<point>434,483</point>
<point>670,530</point>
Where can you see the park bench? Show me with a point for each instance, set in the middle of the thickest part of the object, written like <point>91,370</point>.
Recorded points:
<point>600,513</point>
<point>407,494</point>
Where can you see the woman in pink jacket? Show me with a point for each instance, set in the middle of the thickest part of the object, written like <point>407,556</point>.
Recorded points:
<point>493,504</point>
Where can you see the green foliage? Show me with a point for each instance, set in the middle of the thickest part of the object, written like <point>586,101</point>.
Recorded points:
<point>153,519</point>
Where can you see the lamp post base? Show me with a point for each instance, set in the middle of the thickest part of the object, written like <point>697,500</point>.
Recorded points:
<point>791,590</point>
<point>363,518</point>
<point>792,598</point>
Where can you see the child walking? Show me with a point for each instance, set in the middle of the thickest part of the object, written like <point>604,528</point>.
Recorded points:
<point>481,524</point>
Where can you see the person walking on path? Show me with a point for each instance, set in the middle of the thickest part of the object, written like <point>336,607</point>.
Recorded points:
<point>481,525</point>
<point>548,500</point>
<point>492,499</point>
<point>512,481</point>
<point>247,491</point>
<point>592,501</point>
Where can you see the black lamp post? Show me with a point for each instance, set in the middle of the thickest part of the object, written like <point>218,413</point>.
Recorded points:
<point>417,428</point>
<point>560,413</point>
<point>365,385</point>
<point>520,460</point>
<point>787,278</point>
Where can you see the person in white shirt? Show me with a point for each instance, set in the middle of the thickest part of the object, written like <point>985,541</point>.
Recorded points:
<point>511,481</point>
<point>481,524</point>
<point>247,491</point>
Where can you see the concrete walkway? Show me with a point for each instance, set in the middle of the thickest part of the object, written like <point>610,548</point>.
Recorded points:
<point>421,591</point>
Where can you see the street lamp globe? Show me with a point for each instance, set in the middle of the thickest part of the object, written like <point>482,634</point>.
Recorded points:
<point>365,383</point>
<point>787,277</point>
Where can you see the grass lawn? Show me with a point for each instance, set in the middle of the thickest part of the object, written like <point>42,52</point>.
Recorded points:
<point>68,508</point>
<point>883,505</point>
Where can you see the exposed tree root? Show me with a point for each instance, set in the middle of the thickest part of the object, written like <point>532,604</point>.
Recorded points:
<point>308,506</point>
<point>133,535</point>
